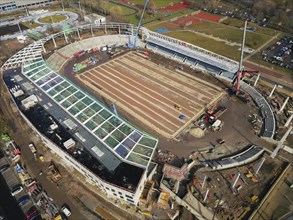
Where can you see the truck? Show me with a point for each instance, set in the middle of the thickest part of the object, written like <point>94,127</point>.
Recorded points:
<point>221,110</point>
<point>32,148</point>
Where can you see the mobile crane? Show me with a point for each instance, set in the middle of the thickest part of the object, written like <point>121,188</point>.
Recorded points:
<point>241,72</point>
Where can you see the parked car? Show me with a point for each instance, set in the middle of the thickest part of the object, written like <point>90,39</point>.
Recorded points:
<point>22,200</point>
<point>65,210</point>
<point>16,189</point>
<point>4,167</point>
<point>31,213</point>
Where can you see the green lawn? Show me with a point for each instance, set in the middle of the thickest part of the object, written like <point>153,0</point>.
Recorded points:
<point>208,44</point>
<point>253,39</point>
<point>158,3</point>
<point>55,18</point>
<point>163,17</point>
<point>124,10</point>
<point>260,30</point>
<point>30,25</point>
<point>224,32</point>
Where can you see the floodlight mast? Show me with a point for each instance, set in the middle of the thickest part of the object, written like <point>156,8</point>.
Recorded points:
<point>139,24</point>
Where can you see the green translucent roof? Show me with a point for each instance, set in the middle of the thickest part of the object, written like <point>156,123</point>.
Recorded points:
<point>120,137</point>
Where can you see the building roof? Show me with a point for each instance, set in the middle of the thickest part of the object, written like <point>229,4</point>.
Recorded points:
<point>99,126</point>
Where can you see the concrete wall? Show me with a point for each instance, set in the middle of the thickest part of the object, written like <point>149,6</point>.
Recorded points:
<point>197,209</point>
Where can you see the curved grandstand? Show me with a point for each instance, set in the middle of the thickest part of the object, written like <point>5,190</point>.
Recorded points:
<point>110,152</point>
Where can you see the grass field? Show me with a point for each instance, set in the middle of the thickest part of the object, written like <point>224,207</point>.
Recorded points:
<point>224,32</point>
<point>124,10</point>
<point>30,25</point>
<point>53,19</point>
<point>158,3</point>
<point>253,40</point>
<point>260,30</point>
<point>208,44</point>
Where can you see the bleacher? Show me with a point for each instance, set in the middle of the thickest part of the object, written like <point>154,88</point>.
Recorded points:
<point>266,111</point>
<point>237,160</point>
<point>58,59</point>
<point>55,61</point>
<point>192,61</point>
<point>194,52</point>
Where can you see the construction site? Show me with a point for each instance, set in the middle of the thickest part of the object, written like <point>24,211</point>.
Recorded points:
<point>232,193</point>
<point>220,133</point>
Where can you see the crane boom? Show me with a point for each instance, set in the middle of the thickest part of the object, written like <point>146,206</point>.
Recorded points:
<point>241,72</point>
<point>139,24</point>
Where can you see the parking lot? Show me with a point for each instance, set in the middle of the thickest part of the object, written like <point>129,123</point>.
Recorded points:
<point>280,53</point>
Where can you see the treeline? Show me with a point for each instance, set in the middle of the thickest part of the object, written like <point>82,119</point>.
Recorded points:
<point>278,13</point>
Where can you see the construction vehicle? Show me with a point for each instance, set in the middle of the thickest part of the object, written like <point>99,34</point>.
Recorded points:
<point>239,76</point>
<point>221,110</point>
<point>217,125</point>
<point>178,107</point>
<point>56,176</point>
<point>212,109</point>
<point>32,148</point>
<point>221,141</point>
<point>254,199</point>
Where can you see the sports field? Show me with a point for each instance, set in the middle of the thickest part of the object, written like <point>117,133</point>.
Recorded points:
<point>149,92</point>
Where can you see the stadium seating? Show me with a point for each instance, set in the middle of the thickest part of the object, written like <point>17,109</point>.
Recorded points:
<point>266,111</point>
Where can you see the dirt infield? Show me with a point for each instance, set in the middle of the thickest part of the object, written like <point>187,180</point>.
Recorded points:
<point>149,92</point>
<point>208,17</point>
<point>184,21</point>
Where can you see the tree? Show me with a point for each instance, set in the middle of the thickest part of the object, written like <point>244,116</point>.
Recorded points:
<point>151,8</point>
<point>103,6</point>
<point>116,13</point>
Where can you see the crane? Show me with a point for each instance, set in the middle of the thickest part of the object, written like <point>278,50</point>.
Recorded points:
<point>241,72</point>
<point>239,75</point>
<point>139,24</point>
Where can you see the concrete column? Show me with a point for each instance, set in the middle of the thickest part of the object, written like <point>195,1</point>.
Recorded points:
<point>54,41</point>
<point>289,120</point>
<point>44,49</point>
<point>65,37</point>
<point>92,30</point>
<point>272,91</point>
<point>235,180</point>
<point>280,143</point>
<point>284,104</point>
<point>78,33</point>
<point>257,78</point>
<point>206,195</point>
<point>105,29</point>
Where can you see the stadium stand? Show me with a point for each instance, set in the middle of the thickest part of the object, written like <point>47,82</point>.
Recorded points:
<point>240,159</point>
<point>192,60</point>
<point>192,51</point>
<point>55,61</point>
<point>266,111</point>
